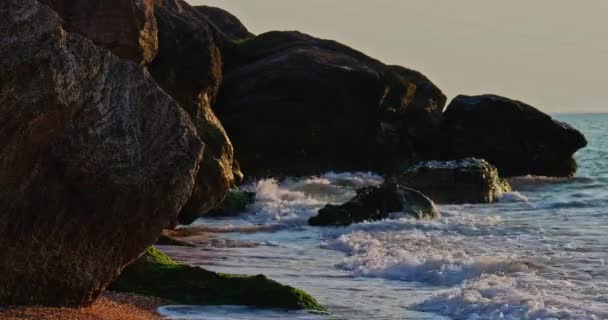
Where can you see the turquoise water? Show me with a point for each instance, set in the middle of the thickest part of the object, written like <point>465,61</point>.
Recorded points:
<point>540,253</point>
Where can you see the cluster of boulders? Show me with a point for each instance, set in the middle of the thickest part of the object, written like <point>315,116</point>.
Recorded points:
<point>119,119</point>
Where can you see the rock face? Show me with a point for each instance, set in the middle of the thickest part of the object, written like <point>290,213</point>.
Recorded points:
<point>294,104</point>
<point>515,137</point>
<point>125,27</point>
<point>189,67</point>
<point>423,121</point>
<point>463,181</point>
<point>225,21</point>
<point>377,203</point>
<point>95,160</point>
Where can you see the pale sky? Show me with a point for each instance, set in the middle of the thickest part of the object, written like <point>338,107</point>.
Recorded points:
<point>552,54</point>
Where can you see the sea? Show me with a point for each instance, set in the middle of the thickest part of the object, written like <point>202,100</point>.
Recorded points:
<point>541,252</point>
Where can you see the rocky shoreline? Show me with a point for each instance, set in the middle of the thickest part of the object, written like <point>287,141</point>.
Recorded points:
<point>122,119</point>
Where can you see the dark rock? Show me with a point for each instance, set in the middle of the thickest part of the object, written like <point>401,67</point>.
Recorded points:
<point>461,181</point>
<point>156,274</point>
<point>294,104</point>
<point>125,27</point>
<point>189,67</point>
<point>225,21</point>
<point>377,203</point>
<point>515,137</point>
<point>426,107</point>
<point>236,202</point>
<point>95,160</point>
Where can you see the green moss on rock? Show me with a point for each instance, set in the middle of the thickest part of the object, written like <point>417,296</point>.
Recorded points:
<point>236,201</point>
<point>155,274</point>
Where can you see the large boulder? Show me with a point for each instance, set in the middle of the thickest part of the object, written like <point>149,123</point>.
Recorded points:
<point>423,121</point>
<point>95,160</point>
<point>294,104</point>
<point>460,181</point>
<point>515,137</point>
<point>225,21</point>
<point>377,203</point>
<point>189,67</point>
<point>125,27</point>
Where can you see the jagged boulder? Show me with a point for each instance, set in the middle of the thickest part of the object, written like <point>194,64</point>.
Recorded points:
<point>515,137</point>
<point>377,203</point>
<point>460,181</point>
<point>95,160</point>
<point>189,67</point>
<point>295,104</point>
<point>125,27</point>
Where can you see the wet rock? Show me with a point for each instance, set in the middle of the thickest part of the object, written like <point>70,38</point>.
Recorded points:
<point>225,21</point>
<point>236,202</point>
<point>377,203</point>
<point>95,160</point>
<point>156,274</point>
<point>515,137</point>
<point>189,67</point>
<point>125,27</point>
<point>296,105</point>
<point>461,181</point>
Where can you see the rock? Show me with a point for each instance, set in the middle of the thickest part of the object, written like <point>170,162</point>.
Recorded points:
<point>236,202</point>
<point>125,27</point>
<point>95,160</point>
<point>461,181</point>
<point>156,274</point>
<point>225,21</point>
<point>515,137</point>
<point>297,105</point>
<point>426,107</point>
<point>377,203</point>
<point>189,67</point>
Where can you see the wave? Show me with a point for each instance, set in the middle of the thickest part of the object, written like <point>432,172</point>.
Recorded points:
<point>419,256</point>
<point>520,297</point>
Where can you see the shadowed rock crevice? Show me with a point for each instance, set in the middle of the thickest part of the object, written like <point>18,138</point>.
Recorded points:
<point>189,67</point>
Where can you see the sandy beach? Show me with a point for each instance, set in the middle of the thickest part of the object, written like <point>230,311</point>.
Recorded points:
<point>111,306</point>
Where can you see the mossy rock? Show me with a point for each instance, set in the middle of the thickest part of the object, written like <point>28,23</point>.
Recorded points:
<point>236,202</point>
<point>155,274</point>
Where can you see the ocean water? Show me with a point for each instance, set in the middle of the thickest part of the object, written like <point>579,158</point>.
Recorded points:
<point>540,253</point>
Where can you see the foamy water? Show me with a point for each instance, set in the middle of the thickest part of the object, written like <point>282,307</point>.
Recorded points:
<point>540,253</point>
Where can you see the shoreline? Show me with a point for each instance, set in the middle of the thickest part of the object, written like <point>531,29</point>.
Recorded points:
<point>110,306</point>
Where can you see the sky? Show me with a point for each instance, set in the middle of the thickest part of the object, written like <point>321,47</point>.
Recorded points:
<point>552,54</point>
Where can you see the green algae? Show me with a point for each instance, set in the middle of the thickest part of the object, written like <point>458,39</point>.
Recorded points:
<point>236,202</point>
<point>155,274</point>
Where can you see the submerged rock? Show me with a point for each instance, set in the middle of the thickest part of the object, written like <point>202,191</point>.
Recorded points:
<point>189,67</point>
<point>377,203</point>
<point>295,105</point>
<point>156,274</point>
<point>236,202</point>
<point>125,27</point>
<point>461,181</point>
<point>95,160</point>
<point>515,137</point>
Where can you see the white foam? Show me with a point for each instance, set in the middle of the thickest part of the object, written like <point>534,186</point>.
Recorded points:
<point>512,197</point>
<point>518,297</point>
<point>296,200</point>
<point>418,256</point>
